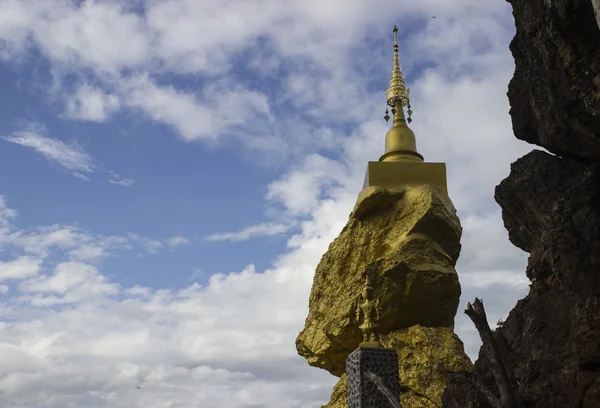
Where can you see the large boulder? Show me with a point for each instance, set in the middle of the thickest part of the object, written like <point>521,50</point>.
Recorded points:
<point>409,242</point>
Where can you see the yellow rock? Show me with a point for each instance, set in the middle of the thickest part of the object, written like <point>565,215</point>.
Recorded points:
<point>409,240</point>
<point>426,357</point>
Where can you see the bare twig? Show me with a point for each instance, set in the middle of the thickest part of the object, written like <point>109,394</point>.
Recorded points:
<point>476,313</point>
<point>375,379</point>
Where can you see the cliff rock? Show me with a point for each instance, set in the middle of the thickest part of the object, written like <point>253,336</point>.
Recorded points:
<point>550,204</point>
<point>555,91</point>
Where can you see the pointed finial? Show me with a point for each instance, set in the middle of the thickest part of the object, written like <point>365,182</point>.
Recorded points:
<point>397,92</point>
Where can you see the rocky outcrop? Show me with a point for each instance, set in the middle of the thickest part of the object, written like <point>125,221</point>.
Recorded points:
<point>551,339</point>
<point>408,241</point>
<point>550,204</point>
<point>426,358</point>
<point>555,91</point>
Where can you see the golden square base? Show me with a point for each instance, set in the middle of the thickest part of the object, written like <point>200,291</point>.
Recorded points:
<point>395,175</point>
<point>370,344</point>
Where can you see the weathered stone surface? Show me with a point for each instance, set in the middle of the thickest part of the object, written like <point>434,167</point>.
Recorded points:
<point>551,339</point>
<point>410,241</point>
<point>555,91</point>
<point>427,356</point>
<point>551,208</point>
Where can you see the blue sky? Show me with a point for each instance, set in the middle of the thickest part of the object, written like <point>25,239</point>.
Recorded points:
<point>178,189</point>
<point>174,170</point>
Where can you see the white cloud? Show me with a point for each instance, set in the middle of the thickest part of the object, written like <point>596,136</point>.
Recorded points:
<point>15,25</point>
<point>91,104</point>
<point>177,108</point>
<point>130,343</point>
<point>45,239</point>
<point>192,37</point>
<point>150,246</point>
<point>485,243</point>
<point>301,189</point>
<point>177,240</point>
<point>71,157</point>
<point>6,214</point>
<point>197,273</point>
<point>249,232</point>
<point>20,268</point>
<point>481,280</point>
<point>153,246</point>
<point>164,341</point>
<point>118,180</point>
<point>221,107</point>
<point>88,252</point>
<point>76,243</point>
<point>86,34</point>
<point>70,277</point>
<point>125,182</point>
<point>265,62</point>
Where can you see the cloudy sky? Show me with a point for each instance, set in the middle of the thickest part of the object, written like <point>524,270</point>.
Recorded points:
<point>173,170</point>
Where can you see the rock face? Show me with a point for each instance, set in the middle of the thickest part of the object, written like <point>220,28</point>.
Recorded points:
<point>555,91</point>
<point>551,209</point>
<point>551,339</point>
<point>408,241</point>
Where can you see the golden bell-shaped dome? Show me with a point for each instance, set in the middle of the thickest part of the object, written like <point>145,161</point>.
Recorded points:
<point>400,142</point>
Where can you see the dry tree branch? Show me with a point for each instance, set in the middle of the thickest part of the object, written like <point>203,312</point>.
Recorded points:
<point>476,313</point>
<point>375,379</point>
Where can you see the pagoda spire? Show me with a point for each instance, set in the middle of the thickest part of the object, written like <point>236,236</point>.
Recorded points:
<point>397,92</point>
<point>400,142</point>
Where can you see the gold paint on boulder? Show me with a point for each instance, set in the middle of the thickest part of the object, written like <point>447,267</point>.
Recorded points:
<point>408,240</point>
<point>427,356</point>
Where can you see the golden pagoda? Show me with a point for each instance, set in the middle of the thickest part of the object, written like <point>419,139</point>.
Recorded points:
<point>401,164</point>
<point>404,235</point>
